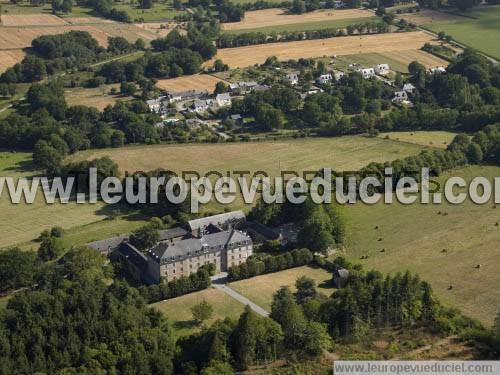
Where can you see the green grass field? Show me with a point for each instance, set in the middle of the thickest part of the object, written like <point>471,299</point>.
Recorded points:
<point>369,59</point>
<point>438,139</point>
<point>414,237</point>
<point>179,314</point>
<point>480,29</point>
<point>21,224</point>
<point>306,26</point>
<point>159,12</point>
<point>341,153</point>
<point>260,289</point>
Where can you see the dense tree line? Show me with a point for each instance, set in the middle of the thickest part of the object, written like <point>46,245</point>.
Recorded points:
<point>370,300</point>
<point>261,264</point>
<point>104,8</point>
<point>74,322</point>
<point>52,129</point>
<point>322,225</point>
<point>178,287</point>
<point>53,53</point>
<point>18,269</point>
<point>228,40</point>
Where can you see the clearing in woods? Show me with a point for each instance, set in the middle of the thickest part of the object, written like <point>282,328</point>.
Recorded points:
<point>178,310</point>
<point>446,244</point>
<point>98,97</point>
<point>194,82</point>
<point>260,289</point>
<point>348,45</point>
<point>276,17</point>
<point>342,153</point>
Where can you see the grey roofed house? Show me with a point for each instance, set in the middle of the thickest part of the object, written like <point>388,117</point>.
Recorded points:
<point>172,233</point>
<point>340,277</point>
<point>108,244</point>
<point>167,253</point>
<point>217,220</point>
<point>262,231</point>
<point>135,261</point>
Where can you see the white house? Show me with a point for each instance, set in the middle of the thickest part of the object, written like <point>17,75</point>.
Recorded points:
<point>292,78</point>
<point>400,96</point>
<point>157,105</point>
<point>324,79</point>
<point>382,69</point>
<point>202,106</point>
<point>438,70</point>
<point>408,87</point>
<point>185,95</point>
<point>223,100</point>
<point>367,72</point>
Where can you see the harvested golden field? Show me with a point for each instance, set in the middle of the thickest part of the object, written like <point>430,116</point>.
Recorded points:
<point>275,17</point>
<point>21,37</point>
<point>32,20</point>
<point>194,82</point>
<point>407,56</point>
<point>348,45</point>
<point>427,16</point>
<point>10,58</point>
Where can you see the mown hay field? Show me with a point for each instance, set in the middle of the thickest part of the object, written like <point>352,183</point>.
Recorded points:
<point>21,37</point>
<point>41,19</point>
<point>193,82</point>
<point>348,45</point>
<point>310,154</point>
<point>10,58</point>
<point>276,17</point>
<point>444,243</point>
<point>260,289</point>
<point>178,310</point>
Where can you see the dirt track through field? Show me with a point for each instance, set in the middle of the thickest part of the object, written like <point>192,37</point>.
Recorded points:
<point>349,45</point>
<point>274,17</point>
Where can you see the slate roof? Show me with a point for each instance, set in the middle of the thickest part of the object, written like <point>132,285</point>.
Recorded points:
<point>168,234</point>
<point>263,230</point>
<point>217,220</point>
<point>165,253</point>
<point>133,255</point>
<point>108,243</point>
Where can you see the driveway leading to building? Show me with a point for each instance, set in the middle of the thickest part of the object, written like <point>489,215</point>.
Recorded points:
<point>232,293</point>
